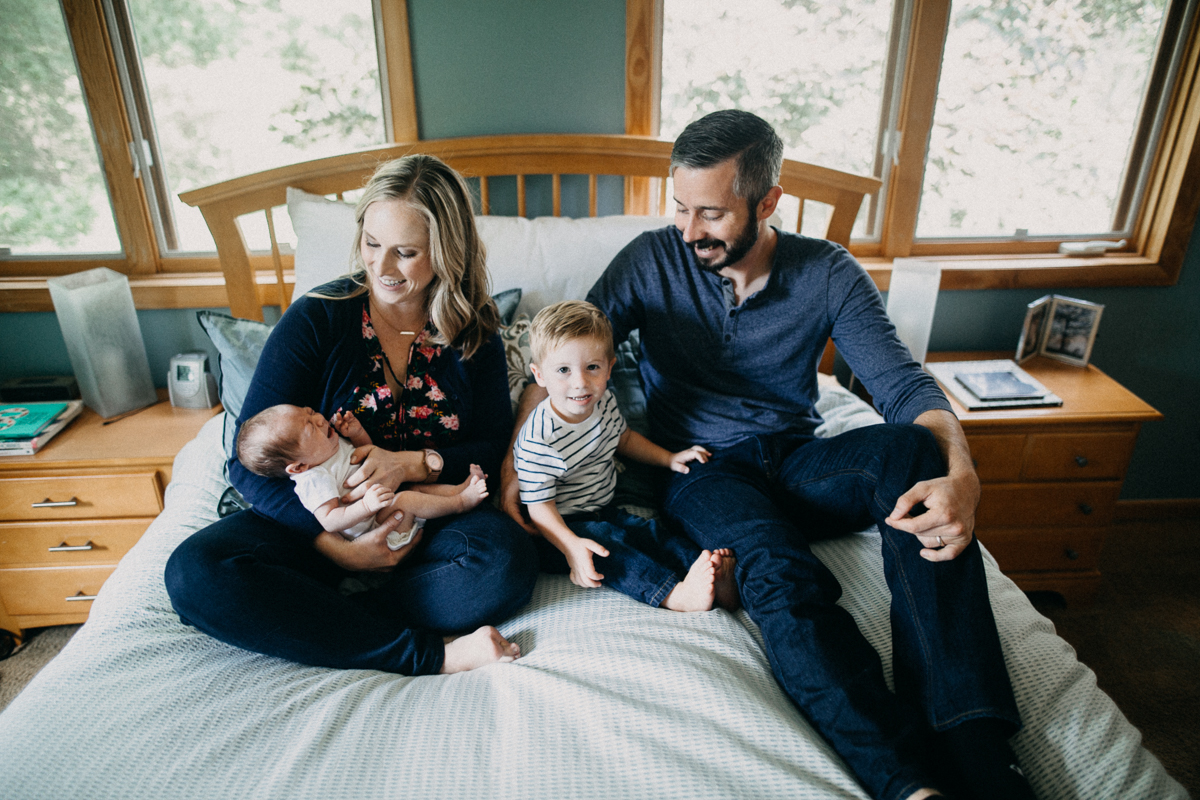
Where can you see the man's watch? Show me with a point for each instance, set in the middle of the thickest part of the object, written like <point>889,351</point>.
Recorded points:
<point>433,465</point>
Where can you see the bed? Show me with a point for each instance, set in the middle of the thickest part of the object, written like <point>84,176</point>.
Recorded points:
<point>610,699</point>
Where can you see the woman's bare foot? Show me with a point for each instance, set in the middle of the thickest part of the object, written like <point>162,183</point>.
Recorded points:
<point>725,587</point>
<point>484,646</point>
<point>697,591</point>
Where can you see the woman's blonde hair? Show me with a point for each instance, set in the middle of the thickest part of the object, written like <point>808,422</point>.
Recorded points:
<point>459,297</point>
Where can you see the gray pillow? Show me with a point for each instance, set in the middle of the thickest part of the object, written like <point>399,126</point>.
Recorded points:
<point>239,343</point>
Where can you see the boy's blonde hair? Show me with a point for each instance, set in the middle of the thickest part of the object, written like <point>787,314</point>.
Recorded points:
<point>557,324</point>
<point>264,447</point>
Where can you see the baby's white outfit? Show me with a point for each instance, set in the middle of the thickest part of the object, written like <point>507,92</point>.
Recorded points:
<point>317,485</point>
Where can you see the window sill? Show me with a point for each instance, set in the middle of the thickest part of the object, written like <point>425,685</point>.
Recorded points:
<point>207,289</point>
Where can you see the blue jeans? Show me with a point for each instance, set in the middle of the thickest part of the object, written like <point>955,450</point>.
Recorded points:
<point>768,498</point>
<point>644,561</point>
<point>253,583</point>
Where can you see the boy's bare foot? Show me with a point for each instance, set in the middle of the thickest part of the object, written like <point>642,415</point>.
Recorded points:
<point>484,646</point>
<point>725,587</point>
<point>697,591</point>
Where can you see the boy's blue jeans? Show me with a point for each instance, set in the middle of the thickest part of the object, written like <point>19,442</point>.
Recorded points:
<point>768,498</point>
<point>645,560</point>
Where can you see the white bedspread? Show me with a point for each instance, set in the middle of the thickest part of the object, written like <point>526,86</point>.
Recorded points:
<point>611,699</point>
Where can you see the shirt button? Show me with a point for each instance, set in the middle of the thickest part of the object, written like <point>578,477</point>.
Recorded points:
<point>732,314</point>
<point>728,338</point>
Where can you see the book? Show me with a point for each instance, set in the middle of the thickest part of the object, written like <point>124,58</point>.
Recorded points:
<point>30,446</point>
<point>24,420</point>
<point>997,383</point>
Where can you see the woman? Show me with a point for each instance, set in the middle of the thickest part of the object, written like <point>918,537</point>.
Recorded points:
<point>408,342</point>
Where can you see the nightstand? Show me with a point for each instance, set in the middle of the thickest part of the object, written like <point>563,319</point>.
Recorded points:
<point>1051,476</point>
<point>69,513</point>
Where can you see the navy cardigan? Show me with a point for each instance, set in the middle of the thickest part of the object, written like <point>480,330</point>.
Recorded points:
<point>316,356</point>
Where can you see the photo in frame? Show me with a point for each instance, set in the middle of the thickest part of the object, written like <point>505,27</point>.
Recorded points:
<point>1033,332</point>
<point>1062,328</point>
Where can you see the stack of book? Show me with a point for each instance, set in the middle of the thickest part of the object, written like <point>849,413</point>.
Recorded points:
<point>998,383</point>
<point>26,427</point>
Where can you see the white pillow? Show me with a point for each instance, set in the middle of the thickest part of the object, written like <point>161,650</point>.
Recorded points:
<point>555,258</point>
<point>548,258</point>
<point>324,235</point>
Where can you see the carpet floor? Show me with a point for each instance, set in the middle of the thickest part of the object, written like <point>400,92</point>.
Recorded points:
<point>1141,637</point>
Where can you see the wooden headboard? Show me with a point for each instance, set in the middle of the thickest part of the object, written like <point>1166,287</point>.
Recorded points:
<point>643,161</point>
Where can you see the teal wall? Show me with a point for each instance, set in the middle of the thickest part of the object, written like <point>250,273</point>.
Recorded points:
<point>526,66</point>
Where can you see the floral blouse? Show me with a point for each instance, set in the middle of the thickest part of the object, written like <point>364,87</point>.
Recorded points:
<point>423,416</point>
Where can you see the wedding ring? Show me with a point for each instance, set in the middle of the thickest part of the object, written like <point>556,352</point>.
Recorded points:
<point>940,542</point>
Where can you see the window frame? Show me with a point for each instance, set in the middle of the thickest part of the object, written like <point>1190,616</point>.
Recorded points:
<point>159,279</point>
<point>1170,197</point>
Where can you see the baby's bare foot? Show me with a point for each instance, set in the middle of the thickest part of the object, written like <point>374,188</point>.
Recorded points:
<point>484,646</point>
<point>474,491</point>
<point>725,587</point>
<point>697,591</point>
<point>477,472</point>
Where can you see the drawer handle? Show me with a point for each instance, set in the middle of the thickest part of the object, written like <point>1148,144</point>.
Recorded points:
<point>1081,461</point>
<point>1072,554</point>
<point>66,548</point>
<point>48,503</point>
<point>1085,508</point>
<point>80,596</point>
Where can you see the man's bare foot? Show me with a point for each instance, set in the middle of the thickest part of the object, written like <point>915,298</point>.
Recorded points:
<point>697,591</point>
<point>484,646</point>
<point>725,587</point>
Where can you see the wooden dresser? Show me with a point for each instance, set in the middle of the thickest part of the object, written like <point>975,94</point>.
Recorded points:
<point>1051,476</point>
<point>69,513</point>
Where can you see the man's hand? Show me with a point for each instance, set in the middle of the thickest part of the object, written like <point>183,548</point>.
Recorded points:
<point>948,522</point>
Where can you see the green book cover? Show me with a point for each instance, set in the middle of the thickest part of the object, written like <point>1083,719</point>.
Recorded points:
<point>26,420</point>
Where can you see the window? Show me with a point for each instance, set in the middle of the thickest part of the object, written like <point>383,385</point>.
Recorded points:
<point>110,108</point>
<point>53,198</point>
<point>999,129</point>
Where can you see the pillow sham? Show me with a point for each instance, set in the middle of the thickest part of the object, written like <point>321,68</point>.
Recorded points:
<point>239,343</point>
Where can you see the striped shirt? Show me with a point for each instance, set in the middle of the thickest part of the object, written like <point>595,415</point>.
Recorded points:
<point>570,463</point>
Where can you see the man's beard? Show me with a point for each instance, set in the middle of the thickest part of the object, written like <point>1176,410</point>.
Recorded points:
<point>735,251</point>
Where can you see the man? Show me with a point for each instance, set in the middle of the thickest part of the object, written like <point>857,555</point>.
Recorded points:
<point>733,317</point>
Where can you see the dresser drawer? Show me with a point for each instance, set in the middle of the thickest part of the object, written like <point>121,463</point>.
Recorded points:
<point>28,592</point>
<point>1075,457</point>
<point>134,494</point>
<point>997,457</point>
<point>1015,505</point>
<point>101,541</point>
<point>1028,549</point>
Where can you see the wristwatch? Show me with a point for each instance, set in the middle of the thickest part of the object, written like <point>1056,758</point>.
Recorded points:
<point>433,465</point>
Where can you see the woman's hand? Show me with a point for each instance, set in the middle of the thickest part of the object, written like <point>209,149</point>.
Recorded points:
<point>382,466</point>
<point>369,552</point>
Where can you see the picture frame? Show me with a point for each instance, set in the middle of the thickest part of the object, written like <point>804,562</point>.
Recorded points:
<point>1033,332</point>
<point>1062,328</point>
<point>1071,330</point>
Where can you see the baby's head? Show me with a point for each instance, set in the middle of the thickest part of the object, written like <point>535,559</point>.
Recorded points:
<point>285,440</point>
<point>573,356</point>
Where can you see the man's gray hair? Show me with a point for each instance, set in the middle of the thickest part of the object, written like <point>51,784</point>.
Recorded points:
<point>723,135</point>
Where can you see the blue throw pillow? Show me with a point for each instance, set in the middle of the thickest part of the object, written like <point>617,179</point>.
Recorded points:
<point>239,343</point>
<point>507,301</point>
